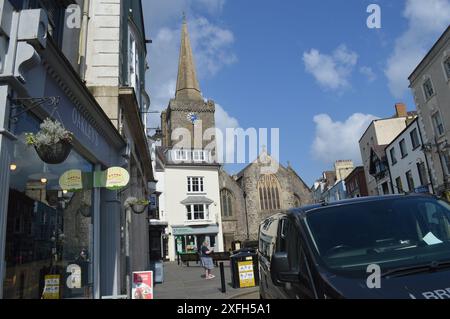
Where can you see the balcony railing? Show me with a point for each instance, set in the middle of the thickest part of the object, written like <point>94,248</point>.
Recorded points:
<point>183,156</point>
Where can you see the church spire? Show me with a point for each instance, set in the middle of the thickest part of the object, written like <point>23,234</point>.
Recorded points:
<point>187,84</point>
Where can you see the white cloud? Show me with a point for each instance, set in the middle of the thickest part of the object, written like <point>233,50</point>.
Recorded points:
<point>212,6</point>
<point>368,72</point>
<point>212,51</point>
<point>335,140</point>
<point>426,20</point>
<point>331,71</point>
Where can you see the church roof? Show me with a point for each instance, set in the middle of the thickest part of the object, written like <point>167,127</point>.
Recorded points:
<point>187,83</point>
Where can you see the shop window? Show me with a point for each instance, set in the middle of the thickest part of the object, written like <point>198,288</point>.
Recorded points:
<point>45,230</point>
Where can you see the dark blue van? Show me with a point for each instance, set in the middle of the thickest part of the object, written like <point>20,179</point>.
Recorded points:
<point>377,247</point>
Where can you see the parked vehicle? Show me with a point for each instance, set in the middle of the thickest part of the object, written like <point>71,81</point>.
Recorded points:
<point>376,247</point>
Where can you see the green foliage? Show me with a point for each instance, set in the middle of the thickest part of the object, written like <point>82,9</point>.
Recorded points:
<point>51,132</point>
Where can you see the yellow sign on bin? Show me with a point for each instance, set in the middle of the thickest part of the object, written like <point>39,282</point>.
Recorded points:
<point>51,289</point>
<point>246,274</point>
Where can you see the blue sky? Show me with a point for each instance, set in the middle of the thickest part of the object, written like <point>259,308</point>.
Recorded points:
<point>311,68</point>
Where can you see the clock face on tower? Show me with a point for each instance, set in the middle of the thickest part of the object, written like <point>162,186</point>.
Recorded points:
<point>193,117</point>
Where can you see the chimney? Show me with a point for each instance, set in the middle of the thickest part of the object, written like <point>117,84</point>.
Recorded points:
<point>400,110</point>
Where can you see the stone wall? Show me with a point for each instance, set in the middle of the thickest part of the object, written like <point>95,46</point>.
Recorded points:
<point>292,189</point>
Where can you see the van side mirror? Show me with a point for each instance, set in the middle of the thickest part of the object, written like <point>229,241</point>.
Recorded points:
<point>280,270</point>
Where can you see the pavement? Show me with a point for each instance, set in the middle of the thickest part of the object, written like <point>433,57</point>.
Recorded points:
<point>182,282</point>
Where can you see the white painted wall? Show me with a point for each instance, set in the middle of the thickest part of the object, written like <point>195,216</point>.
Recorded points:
<point>408,163</point>
<point>380,132</point>
<point>174,188</point>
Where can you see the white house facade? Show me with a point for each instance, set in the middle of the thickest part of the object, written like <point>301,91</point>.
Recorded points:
<point>408,164</point>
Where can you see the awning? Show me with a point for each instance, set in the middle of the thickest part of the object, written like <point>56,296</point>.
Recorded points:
<point>192,200</point>
<point>183,230</point>
<point>156,222</point>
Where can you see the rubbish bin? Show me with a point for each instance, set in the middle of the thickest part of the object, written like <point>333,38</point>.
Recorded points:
<point>244,268</point>
<point>158,271</point>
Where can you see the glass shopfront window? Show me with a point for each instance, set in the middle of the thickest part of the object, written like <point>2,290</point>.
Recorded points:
<point>49,230</point>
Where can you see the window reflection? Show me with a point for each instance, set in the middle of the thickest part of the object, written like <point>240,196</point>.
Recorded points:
<point>48,228</point>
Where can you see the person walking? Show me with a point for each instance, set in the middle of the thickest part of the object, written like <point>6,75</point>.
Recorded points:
<point>207,261</point>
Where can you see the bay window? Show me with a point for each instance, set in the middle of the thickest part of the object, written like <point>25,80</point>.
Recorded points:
<point>197,212</point>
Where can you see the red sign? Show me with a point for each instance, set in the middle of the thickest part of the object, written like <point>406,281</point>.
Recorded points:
<point>142,285</point>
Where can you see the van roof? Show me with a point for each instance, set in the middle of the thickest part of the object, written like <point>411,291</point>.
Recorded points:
<point>309,208</point>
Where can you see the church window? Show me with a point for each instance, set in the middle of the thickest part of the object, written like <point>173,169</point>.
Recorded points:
<point>269,193</point>
<point>227,200</point>
<point>297,201</point>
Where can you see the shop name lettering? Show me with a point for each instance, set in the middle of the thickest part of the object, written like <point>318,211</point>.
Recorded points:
<point>80,122</point>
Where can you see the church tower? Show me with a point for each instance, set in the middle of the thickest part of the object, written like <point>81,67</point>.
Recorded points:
<point>188,115</point>
<point>185,167</point>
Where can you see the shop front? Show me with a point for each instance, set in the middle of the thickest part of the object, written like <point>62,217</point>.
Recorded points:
<point>188,240</point>
<point>59,223</point>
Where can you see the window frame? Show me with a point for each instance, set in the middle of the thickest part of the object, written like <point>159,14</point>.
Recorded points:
<point>427,94</point>
<point>446,65</point>
<point>193,212</point>
<point>437,115</point>
<point>403,148</point>
<point>399,185</point>
<point>393,156</point>
<point>410,181</point>
<point>200,184</point>
<point>414,135</point>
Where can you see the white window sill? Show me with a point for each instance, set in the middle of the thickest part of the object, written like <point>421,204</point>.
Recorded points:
<point>199,222</point>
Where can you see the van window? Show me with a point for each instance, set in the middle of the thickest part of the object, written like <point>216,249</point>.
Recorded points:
<point>267,237</point>
<point>392,233</point>
<point>289,242</point>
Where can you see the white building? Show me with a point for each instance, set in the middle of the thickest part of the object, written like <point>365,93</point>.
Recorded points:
<point>379,134</point>
<point>187,173</point>
<point>430,84</point>
<point>408,164</point>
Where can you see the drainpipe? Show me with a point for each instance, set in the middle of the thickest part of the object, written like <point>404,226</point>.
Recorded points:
<point>83,40</point>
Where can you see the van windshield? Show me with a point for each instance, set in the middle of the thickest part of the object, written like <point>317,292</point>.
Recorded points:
<point>391,233</point>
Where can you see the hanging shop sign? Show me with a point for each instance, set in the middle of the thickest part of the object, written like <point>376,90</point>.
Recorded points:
<point>51,289</point>
<point>246,274</point>
<point>142,285</point>
<point>113,178</point>
<point>71,180</point>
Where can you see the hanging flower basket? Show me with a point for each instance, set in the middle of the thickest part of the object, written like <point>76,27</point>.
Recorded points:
<point>54,153</point>
<point>53,143</point>
<point>138,206</point>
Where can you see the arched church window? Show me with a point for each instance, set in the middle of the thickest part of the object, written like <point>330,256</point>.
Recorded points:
<point>227,200</point>
<point>297,201</point>
<point>269,193</point>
